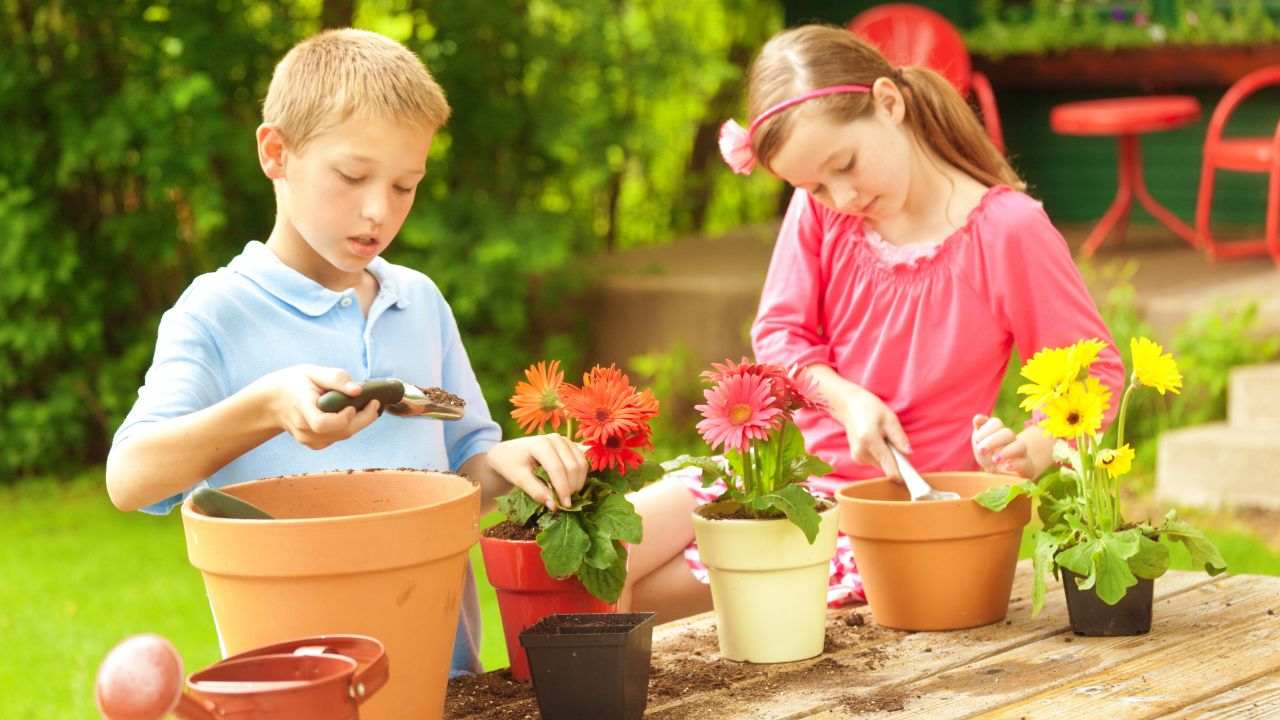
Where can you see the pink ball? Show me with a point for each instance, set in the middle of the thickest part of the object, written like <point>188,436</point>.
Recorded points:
<point>140,679</point>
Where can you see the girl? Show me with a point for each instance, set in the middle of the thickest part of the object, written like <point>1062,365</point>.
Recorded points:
<point>907,268</point>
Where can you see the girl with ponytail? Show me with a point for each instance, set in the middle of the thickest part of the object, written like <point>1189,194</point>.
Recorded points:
<point>908,267</point>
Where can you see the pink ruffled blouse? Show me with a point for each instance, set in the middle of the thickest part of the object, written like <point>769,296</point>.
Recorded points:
<point>928,328</point>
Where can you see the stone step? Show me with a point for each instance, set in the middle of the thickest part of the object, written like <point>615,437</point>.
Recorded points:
<point>1218,464</point>
<point>1253,398</point>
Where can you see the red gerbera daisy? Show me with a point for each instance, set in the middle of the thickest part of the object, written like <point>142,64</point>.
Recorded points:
<point>619,451</point>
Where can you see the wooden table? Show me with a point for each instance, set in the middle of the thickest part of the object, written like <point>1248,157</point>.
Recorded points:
<point>1213,651</point>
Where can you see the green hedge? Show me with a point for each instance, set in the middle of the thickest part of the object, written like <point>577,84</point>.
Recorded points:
<point>128,168</point>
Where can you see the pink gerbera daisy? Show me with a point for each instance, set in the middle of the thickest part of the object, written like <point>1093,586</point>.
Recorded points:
<point>739,409</point>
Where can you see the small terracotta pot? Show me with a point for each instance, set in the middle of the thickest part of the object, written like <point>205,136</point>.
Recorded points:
<point>768,585</point>
<point>937,565</point>
<point>527,594</point>
<point>379,553</point>
<point>1090,616</point>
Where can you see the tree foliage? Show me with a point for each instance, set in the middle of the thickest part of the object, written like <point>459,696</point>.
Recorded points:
<point>580,126</point>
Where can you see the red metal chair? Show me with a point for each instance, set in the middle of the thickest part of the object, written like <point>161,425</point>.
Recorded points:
<point>913,35</point>
<point>1241,154</point>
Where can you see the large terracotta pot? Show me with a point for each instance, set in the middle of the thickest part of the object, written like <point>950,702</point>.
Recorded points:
<point>768,585</point>
<point>937,565</point>
<point>380,553</point>
<point>527,594</point>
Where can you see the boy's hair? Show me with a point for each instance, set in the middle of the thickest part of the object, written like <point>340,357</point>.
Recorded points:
<point>815,56</point>
<point>329,77</point>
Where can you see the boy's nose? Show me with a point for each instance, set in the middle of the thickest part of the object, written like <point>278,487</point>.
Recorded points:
<point>374,207</point>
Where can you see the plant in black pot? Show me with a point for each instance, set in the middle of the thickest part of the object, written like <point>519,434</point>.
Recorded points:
<point>1108,564</point>
<point>593,665</point>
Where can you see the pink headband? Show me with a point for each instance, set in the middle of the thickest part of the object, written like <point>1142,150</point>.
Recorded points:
<point>735,142</point>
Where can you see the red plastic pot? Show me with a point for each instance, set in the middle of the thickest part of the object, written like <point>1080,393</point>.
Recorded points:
<point>527,594</point>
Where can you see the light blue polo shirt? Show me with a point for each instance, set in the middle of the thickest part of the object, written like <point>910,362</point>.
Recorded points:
<point>258,315</point>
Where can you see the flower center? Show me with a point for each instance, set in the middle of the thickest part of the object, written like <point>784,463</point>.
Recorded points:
<point>1073,418</point>
<point>740,413</point>
<point>550,400</point>
<point>613,442</point>
<point>602,414</point>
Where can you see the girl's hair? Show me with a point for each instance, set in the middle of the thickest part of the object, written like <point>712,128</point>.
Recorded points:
<point>816,56</point>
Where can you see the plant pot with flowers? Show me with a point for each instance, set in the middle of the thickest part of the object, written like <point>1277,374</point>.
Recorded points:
<point>1108,563</point>
<point>766,541</point>
<point>574,559</point>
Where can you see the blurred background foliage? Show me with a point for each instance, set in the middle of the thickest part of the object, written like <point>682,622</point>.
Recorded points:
<point>129,167</point>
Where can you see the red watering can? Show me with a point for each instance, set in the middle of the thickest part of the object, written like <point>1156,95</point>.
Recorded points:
<point>317,678</point>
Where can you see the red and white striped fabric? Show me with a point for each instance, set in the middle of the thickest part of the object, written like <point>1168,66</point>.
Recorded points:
<point>845,584</point>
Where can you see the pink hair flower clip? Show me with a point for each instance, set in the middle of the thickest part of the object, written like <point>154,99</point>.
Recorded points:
<point>735,147</point>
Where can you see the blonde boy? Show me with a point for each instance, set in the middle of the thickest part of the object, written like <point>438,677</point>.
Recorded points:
<point>245,353</point>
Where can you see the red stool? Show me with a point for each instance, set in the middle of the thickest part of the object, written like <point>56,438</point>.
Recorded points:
<point>1126,118</point>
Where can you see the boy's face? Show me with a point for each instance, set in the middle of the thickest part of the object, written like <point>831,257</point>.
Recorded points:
<point>347,193</point>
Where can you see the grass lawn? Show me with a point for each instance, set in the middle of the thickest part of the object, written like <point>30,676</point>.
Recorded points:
<point>78,576</point>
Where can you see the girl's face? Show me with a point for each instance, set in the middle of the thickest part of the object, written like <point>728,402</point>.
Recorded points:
<point>858,168</point>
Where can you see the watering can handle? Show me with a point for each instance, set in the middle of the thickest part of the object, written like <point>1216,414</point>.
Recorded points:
<point>373,668</point>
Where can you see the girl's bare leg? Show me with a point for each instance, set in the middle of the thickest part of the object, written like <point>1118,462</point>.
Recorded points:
<point>658,579</point>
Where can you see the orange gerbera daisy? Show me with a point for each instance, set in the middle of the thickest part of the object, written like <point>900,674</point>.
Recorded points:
<point>607,405</point>
<point>537,401</point>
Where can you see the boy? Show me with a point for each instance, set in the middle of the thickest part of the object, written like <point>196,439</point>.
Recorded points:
<point>246,352</point>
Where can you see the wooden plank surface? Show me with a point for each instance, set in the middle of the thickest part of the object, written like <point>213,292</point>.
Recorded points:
<point>1214,651</point>
<point>1204,642</point>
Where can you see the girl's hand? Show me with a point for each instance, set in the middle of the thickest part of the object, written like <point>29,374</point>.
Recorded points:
<point>293,394</point>
<point>998,449</point>
<point>869,425</point>
<point>564,462</point>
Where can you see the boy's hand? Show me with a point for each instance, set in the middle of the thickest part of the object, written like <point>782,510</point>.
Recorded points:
<point>564,461</point>
<point>294,394</point>
<point>998,449</point>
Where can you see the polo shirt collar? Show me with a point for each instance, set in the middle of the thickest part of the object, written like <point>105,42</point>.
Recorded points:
<point>259,264</point>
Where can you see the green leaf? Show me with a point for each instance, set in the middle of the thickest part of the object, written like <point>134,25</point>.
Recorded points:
<point>606,583</point>
<point>720,508</point>
<point>998,498</point>
<point>1042,564</point>
<point>1114,576</point>
<point>603,552</point>
<point>1203,552</point>
<point>1152,559</point>
<point>616,518</point>
<point>518,507</point>
<point>564,545</point>
<point>711,468</point>
<point>798,505</point>
<point>1079,559</point>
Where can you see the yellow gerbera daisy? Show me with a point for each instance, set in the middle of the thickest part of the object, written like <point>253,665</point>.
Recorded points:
<point>1076,412</point>
<point>1049,371</point>
<point>1083,353</point>
<point>1153,367</point>
<point>1116,462</point>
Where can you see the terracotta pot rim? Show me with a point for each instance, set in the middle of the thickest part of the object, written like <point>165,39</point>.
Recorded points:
<point>753,521</point>
<point>843,497</point>
<point>189,510</point>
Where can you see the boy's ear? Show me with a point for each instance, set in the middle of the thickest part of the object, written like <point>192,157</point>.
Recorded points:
<point>271,151</point>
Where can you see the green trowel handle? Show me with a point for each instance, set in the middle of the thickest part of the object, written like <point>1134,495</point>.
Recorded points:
<point>216,503</point>
<point>386,392</point>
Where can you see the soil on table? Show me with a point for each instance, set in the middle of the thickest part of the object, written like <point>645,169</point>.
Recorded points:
<point>690,663</point>
<point>507,530</point>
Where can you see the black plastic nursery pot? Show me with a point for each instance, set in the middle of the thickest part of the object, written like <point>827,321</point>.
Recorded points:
<point>1090,616</point>
<point>590,665</point>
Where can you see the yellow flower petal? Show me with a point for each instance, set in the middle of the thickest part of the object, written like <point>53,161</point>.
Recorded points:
<point>1076,412</point>
<point>1153,367</point>
<point>1116,462</point>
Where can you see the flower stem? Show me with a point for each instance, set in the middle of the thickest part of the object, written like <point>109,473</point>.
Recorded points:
<point>1124,410</point>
